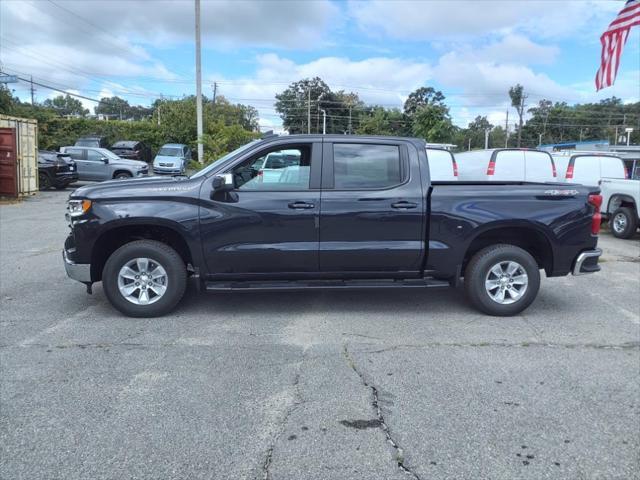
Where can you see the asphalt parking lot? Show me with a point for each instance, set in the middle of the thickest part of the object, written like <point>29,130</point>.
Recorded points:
<point>312,385</point>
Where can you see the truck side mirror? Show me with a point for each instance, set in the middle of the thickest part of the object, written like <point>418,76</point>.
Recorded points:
<point>223,182</point>
<point>105,160</point>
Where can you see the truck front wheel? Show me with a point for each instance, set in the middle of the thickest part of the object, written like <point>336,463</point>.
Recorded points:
<point>502,280</point>
<point>144,278</point>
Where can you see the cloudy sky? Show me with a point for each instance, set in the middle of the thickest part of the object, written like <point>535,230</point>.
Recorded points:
<point>471,50</point>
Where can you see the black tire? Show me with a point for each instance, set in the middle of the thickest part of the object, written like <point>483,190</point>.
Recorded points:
<point>478,270</point>
<point>159,253</point>
<point>623,222</point>
<point>44,182</point>
<point>122,176</point>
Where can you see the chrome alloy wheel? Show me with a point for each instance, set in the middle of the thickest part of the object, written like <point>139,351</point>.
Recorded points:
<point>506,282</point>
<point>620,222</point>
<point>142,281</point>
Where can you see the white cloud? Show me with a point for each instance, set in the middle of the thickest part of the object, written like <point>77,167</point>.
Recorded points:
<point>413,20</point>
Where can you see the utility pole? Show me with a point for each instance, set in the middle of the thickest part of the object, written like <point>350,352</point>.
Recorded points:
<point>506,130</point>
<point>309,112</point>
<point>350,124</point>
<point>324,122</point>
<point>33,91</point>
<point>469,149</point>
<point>199,85</point>
<point>486,138</point>
<point>215,91</point>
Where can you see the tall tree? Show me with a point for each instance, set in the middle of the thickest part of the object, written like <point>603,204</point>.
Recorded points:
<point>422,97</point>
<point>66,105</point>
<point>300,98</point>
<point>432,122</point>
<point>516,93</point>
<point>114,106</point>
<point>476,131</point>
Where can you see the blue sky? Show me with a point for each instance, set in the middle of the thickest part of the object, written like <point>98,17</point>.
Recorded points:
<point>471,50</point>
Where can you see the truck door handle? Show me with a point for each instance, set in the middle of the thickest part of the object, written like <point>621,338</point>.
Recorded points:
<point>301,205</point>
<point>404,205</point>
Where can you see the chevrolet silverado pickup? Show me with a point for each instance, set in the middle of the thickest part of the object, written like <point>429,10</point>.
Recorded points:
<point>343,212</point>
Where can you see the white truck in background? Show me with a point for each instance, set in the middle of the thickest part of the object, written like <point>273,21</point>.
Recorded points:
<point>620,202</point>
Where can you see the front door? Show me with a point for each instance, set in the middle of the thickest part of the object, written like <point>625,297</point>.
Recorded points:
<point>372,209</point>
<point>268,225</point>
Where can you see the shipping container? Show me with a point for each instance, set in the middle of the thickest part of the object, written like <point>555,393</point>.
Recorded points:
<point>18,156</point>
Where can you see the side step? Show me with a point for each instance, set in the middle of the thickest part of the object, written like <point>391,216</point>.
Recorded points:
<point>249,285</point>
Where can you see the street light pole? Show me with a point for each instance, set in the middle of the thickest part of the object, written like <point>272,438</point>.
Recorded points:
<point>324,122</point>
<point>199,85</point>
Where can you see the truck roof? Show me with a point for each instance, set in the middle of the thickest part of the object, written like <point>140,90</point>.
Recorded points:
<point>418,142</point>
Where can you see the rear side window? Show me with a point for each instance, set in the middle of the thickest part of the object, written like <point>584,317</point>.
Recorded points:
<point>75,153</point>
<point>362,166</point>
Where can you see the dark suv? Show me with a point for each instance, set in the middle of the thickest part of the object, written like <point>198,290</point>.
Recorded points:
<point>95,141</point>
<point>55,170</point>
<point>132,149</point>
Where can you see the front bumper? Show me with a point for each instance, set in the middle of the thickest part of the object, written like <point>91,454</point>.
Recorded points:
<point>587,262</point>
<point>166,171</point>
<point>80,272</point>
<point>65,178</point>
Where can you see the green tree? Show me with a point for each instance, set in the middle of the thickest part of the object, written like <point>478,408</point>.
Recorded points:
<point>432,122</point>
<point>381,121</point>
<point>114,107</point>
<point>516,93</point>
<point>422,97</point>
<point>66,105</point>
<point>476,131</point>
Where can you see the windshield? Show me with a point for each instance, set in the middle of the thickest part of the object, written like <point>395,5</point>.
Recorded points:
<point>108,153</point>
<point>229,155</point>
<point>170,152</point>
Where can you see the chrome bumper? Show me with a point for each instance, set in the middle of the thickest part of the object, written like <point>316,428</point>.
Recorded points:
<point>585,262</point>
<point>77,271</point>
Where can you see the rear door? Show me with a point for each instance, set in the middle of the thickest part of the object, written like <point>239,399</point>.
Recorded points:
<point>539,167</point>
<point>372,208</point>
<point>509,165</point>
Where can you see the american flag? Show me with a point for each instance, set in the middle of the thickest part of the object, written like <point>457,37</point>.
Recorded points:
<point>613,41</point>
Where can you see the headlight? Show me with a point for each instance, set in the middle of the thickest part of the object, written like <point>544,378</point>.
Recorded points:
<point>78,207</point>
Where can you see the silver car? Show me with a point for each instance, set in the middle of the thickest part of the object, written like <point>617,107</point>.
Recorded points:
<point>99,164</point>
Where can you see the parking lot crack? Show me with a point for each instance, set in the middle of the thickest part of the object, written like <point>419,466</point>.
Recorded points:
<point>297,401</point>
<point>380,420</point>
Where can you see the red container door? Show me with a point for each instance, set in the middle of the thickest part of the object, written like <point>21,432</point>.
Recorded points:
<point>8,163</point>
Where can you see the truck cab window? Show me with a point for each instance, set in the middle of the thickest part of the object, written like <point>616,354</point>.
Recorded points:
<point>363,166</point>
<point>283,169</point>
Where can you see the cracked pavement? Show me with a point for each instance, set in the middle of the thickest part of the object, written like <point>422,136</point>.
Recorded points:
<point>314,385</point>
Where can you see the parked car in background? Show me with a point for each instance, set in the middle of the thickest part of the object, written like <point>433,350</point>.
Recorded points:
<point>442,165</point>
<point>132,149</point>
<point>92,141</point>
<point>55,170</point>
<point>620,202</point>
<point>356,212</point>
<point>506,164</point>
<point>588,168</point>
<point>100,164</point>
<point>172,159</point>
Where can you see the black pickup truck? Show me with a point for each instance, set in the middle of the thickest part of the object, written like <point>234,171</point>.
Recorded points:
<point>313,211</point>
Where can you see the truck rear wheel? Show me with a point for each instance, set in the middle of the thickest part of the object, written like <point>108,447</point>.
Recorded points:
<point>623,223</point>
<point>502,280</point>
<point>144,278</point>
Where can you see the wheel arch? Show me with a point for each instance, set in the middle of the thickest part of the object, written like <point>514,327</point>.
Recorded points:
<point>118,235</point>
<point>530,238</point>
<point>618,200</point>
<point>121,170</point>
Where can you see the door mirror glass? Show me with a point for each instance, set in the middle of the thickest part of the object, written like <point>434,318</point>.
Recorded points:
<point>223,182</point>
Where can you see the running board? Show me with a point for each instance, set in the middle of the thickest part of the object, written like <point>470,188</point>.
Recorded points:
<point>249,285</point>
